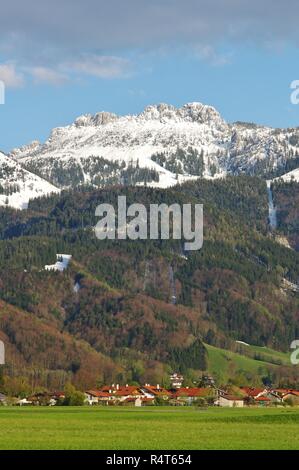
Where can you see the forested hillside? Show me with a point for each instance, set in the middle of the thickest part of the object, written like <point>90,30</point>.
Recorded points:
<point>134,311</point>
<point>287,201</point>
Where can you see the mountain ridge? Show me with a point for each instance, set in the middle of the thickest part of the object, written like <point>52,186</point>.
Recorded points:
<point>160,147</point>
<point>176,144</point>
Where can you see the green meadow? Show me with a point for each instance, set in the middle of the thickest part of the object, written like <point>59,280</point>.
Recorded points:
<point>253,359</point>
<point>158,428</point>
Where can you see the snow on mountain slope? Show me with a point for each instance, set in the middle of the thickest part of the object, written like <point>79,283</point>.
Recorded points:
<point>260,150</point>
<point>61,264</point>
<point>290,176</point>
<point>18,185</point>
<point>91,142</point>
<point>161,146</point>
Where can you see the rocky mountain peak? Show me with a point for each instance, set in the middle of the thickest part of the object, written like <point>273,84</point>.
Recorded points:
<point>98,119</point>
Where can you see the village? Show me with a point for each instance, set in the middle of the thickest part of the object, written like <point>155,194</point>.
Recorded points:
<point>176,395</point>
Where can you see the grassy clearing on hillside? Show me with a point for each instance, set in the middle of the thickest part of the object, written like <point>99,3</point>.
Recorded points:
<point>254,359</point>
<point>148,428</point>
<point>270,355</point>
<point>220,360</point>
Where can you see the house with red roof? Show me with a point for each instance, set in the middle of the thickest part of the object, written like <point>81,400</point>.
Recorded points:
<point>156,391</point>
<point>190,394</point>
<point>94,397</point>
<point>149,394</point>
<point>120,393</point>
<point>260,396</point>
<point>230,401</point>
<point>253,392</point>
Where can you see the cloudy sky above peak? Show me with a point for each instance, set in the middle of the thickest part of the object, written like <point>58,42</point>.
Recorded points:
<point>60,58</point>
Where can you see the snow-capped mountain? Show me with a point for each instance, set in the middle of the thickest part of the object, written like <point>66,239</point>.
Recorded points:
<point>106,145</point>
<point>160,146</point>
<point>18,186</point>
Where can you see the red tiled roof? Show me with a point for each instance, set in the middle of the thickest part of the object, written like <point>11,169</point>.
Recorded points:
<point>251,391</point>
<point>192,392</point>
<point>292,392</point>
<point>58,394</point>
<point>281,391</point>
<point>130,390</point>
<point>98,393</point>
<point>262,399</point>
<point>121,391</point>
<point>285,391</point>
<point>156,391</point>
<point>232,397</point>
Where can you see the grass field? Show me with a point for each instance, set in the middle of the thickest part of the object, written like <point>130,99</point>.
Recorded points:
<point>148,428</point>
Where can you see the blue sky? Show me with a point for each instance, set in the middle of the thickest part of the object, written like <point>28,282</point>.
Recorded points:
<point>62,59</point>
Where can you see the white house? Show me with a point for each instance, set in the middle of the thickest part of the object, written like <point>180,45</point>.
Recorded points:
<point>24,401</point>
<point>176,380</point>
<point>94,397</point>
<point>230,401</point>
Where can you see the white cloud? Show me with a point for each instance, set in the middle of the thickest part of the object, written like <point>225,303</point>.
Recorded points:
<point>47,75</point>
<point>10,76</point>
<point>13,74</point>
<point>101,66</point>
<point>208,54</point>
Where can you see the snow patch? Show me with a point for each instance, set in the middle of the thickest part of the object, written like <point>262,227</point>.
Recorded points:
<point>290,176</point>
<point>19,185</point>
<point>61,263</point>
